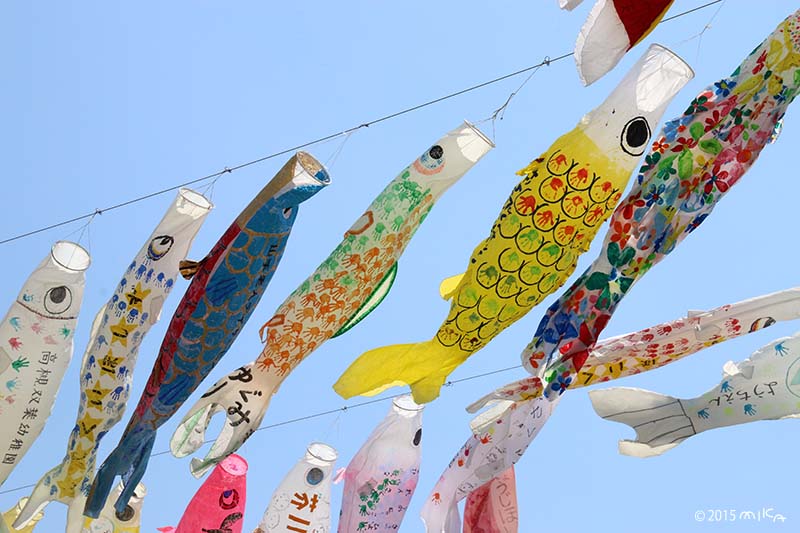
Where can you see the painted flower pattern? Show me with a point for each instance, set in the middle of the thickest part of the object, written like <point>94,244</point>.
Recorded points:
<point>698,158</point>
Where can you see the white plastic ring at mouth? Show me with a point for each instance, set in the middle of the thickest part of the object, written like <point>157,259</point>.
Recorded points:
<point>70,256</point>
<point>407,403</point>
<point>322,451</point>
<point>195,198</point>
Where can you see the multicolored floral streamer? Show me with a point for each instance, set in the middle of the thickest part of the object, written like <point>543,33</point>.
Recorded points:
<point>698,157</point>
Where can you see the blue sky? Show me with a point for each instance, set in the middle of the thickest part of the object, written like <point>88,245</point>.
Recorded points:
<point>104,102</point>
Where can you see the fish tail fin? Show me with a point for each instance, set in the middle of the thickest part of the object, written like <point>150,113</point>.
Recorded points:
<point>423,366</point>
<point>128,460</point>
<point>45,491</point>
<point>660,421</point>
<point>191,432</point>
<point>189,268</point>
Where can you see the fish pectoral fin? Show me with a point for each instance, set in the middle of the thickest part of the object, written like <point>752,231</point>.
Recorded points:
<point>189,268</point>
<point>155,309</point>
<point>448,287</point>
<point>374,300</point>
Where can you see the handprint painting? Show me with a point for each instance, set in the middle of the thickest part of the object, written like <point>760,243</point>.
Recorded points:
<point>381,478</point>
<point>226,286</point>
<point>694,162</point>
<point>36,340</point>
<point>548,221</point>
<point>106,373</point>
<point>218,506</point>
<point>341,292</point>
<point>764,387</point>
<point>302,502</point>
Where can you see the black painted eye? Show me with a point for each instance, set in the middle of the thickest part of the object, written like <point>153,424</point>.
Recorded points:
<point>57,300</point>
<point>634,136</point>
<point>159,247</point>
<point>436,151</point>
<point>229,499</point>
<point>126,513</point>
<point>315,476</point>
<point>287,213</point>
<point>418,437</point>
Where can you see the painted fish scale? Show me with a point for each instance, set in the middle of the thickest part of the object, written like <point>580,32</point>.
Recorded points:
<point>226,286</point>
<point>547,222</point>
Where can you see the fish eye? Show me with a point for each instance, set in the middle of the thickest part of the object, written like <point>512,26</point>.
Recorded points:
<point>126,513</point>
<point>315,476</point>
<point>634,136</point>
<point>287,212</point>
<point>431,162</point>
<point>418,437</point>
<point>159,247</point>
<point>57,300</point>
<point>229,499</point>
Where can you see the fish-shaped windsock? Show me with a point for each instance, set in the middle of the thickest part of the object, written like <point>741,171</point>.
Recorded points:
<point>698,157</point>
<point>492,508</point>
<point>302,502</point>
<point>111,521</point>
<point>499,438</point>
<point>107,369</point>
<point>764,387</point>
<point>659,345</point>
<point>225,289</point>
<point>613,28</point>
<point>349,284</point>
<point>218,505</point>
<point>12,514</point>
<point>533,246</point>
<point>36,338</point>
<point>381,478</point>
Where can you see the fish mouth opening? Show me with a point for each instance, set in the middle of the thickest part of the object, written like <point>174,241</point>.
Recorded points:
<point>406,405</point>
<point>663,74</point>
<point>234,465</point>
<point>482,136</point>
<point>322,452</point>
<point>195,198</point>
<point>70,256</point>
<point>313,168</point>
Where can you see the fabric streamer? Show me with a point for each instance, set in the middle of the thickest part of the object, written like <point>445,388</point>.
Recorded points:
<point>764,387</point>
<point>500,437</point>
<point>381,478</point>
<point>613,28</point>
<point>110,521</point>
<point>696,160</point>
<point>569,5</point>
<point>656,346</point>
<point>36,340</point>
<point>301,503</point>
<point>341,292</point>
<point>519,406</point>
<point>493,507</point>
<point>218,506</point>
<point>107,369</point>
<point>225,289</point>
<point>533,246</point>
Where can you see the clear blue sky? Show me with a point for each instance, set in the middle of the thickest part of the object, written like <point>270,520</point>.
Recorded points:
<point>104,101</point>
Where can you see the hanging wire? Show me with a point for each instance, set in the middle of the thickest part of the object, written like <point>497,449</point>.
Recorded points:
<point>228,170</point>
<point>339,411</point>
